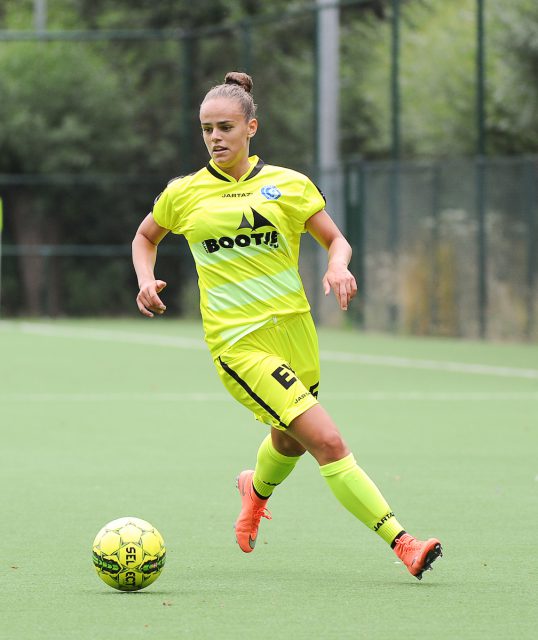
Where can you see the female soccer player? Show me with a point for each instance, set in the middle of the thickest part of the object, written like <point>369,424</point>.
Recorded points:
<point>243,220</point>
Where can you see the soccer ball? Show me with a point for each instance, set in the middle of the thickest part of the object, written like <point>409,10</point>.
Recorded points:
<point>129,554</point>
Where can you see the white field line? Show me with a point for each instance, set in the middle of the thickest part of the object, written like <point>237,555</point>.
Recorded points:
<point>103,335</point>
<point>432,365</point>
<point>374,396</point>
<point>327,356</point>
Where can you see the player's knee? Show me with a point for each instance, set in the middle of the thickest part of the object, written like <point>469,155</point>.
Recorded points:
<point>285,444</point>
<point>331,448</point>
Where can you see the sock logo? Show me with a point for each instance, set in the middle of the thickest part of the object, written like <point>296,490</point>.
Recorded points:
<point>383,520</point>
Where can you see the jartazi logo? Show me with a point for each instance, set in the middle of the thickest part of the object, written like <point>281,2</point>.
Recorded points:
<point>269,238</point>
<point>236,195</point>
<point>383,520</point>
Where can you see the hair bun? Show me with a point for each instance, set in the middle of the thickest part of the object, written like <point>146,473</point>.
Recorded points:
<point>239,78</point>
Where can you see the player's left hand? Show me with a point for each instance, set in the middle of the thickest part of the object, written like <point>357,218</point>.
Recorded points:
<point>342,282</point>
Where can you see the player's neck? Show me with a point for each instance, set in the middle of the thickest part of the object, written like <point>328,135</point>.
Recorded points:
<point>237,171</point>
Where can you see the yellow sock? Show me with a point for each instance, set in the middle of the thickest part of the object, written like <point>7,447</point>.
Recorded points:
<point>359,495</point>
<point>272,468</point>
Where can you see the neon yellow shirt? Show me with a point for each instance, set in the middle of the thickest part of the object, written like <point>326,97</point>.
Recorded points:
<point>244,236</point>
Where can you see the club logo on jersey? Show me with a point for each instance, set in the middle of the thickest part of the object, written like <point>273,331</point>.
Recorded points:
<point>257,238</point>
<point>271,192</point>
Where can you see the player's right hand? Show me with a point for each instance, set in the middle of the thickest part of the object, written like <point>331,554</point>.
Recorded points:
<point>148,300</point>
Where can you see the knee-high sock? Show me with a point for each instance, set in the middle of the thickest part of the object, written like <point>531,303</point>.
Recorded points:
<point>272,468</point>
<point>361,497</point>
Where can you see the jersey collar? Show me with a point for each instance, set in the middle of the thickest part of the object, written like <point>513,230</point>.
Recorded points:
<point>256,165</point>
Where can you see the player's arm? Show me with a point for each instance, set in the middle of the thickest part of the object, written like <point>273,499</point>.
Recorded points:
<point>338,277</point>
<point>145,243</point>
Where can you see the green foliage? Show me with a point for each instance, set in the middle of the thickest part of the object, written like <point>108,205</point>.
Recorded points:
<point>62,109</point>
<point>513,121</point>
<point>130,107</point>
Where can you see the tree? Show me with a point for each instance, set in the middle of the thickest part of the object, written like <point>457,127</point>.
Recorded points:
<point>62,111</point>
<point>513,99</point>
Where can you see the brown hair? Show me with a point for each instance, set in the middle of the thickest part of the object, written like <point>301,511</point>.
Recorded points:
<point>237,86</point>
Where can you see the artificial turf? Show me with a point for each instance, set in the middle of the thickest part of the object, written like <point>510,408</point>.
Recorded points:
<point>101,419</point>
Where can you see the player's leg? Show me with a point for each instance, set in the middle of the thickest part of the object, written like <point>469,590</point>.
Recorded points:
<point>277,456</point>
<point>275,392</point>
<point>315,430</point>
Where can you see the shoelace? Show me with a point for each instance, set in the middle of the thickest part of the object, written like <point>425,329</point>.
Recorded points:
<point>260,513</point>
<point>405,545</point>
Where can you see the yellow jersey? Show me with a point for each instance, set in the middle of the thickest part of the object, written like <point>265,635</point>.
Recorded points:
<point>244,236</point>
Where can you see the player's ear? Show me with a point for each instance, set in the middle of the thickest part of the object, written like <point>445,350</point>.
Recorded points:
<point>252,127</point>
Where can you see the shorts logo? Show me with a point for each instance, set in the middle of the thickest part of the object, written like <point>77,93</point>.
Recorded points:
<point>271,192</point>
<point>284,375</point>
<point>301,397</point>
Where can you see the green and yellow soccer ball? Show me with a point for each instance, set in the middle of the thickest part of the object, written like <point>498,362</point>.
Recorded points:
<point>129,554</point>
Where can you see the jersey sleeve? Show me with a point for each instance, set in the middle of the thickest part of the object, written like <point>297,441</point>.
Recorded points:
<point>167,210</point>
<point>311,202</point>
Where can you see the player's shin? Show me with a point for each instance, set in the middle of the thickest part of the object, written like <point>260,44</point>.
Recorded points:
<point>272,468</point>
<point>359,495</point>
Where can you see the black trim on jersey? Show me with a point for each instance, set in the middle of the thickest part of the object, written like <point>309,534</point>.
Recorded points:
<point>256,170</point>
<point>321,193</point>
<point>250,392</point>
<point>215,173</point>
<point>176,178</point>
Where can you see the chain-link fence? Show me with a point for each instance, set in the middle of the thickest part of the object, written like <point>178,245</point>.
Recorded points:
<point>94,122</point>
<point>440,248</point>
<point>447,248</point>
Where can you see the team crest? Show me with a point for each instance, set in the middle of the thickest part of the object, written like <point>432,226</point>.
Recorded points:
<point>271,192</point>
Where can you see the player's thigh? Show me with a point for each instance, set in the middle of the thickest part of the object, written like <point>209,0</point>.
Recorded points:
<point>265,384</point>
<point>303,351</point>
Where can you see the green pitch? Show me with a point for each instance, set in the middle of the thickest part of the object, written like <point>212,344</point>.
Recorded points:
<point>127,418</point>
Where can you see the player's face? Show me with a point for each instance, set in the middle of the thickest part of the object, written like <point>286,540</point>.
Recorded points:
<point>226,132</point>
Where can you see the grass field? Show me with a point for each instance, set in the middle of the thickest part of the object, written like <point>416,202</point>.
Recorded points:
<point>101,419</point>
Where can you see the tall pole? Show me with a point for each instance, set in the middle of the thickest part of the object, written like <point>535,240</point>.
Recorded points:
<point>1,229</point>
<point>327,136</point>
<point>40,15</point>
<point>480,79</point>
<point>395,81</point>
<point>328,71</point>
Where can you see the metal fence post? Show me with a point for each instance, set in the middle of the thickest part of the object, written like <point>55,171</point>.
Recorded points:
<point>354,184</point>
<point>246,45</point>
<point>481,171</point>
<point>394,230</point>
<point>482,261</point>
<point>532,239</point>
<point>186,128</point>
<point>435,246</point>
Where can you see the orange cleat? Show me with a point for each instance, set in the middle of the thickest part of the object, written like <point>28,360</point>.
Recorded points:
<point>418,556</point>
<point>252,511</point>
